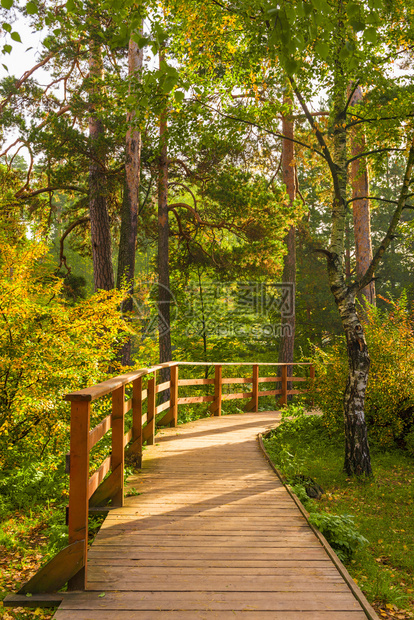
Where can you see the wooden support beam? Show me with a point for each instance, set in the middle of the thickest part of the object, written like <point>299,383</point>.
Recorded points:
<point>215,408</point>
<point>79,486</point>
<point>58,571</point>
<point>150,428</point>
<point>135,450</point>
<point>107,490</point>
<point>255,390</point>
<point>174,396</point>
<point>118,453</point>
<point>283,398</point>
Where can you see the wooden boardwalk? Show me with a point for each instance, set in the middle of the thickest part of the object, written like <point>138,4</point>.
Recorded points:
<point>212,534</point>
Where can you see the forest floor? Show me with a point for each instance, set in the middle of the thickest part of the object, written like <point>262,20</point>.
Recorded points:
<point>382,508</point>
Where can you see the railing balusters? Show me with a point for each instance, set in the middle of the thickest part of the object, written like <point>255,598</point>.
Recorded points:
<point>255,388</point>
<point>118,429</point>
<point>79,484</point>
<point>283,397</point>
<point>174,396</point>
<point>151,409</point>
<point>216,409</point>
<point>136,447</point>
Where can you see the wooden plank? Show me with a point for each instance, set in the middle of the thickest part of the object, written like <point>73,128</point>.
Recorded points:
<point>144,395</point>
<point>291,392</point>
<point>182,382</point>
<point>118,452</point>
<point>98,476</point>
<point>161,387</point>
<point>195,399</point>
<point>163,406</point>
<point>235,396</point>
<point>58,571</point>
<point>223,601</point>
<point>99,431</point>
<point>36,600</point>
<point>297,379</point>
<point>210,615</point>
<point>108,489</point>
<point>127,405</point>
<point>269,392</point>
<point>127,437</point>
<point>122,581</point>
<point>79,485</point>
<point>230,381</point>
<point>166,419</point>
<point>270,379</point>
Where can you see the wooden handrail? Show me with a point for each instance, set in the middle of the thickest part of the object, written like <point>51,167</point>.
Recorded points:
<point>97,490</point>
<point>107,387</point>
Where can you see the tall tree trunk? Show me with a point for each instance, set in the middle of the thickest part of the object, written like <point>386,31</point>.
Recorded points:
<point>100,224</point>
<point>289,260</point>
<point>164,295</point>
<point>357,454</point>
<point>130,205</point>
<point>359,180</point>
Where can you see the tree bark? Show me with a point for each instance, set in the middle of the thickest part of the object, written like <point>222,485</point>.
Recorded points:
<point>359,180</point>
<point>289,260</point>
<point>98,212</point>
<point>164,294</point>
<point>130,205</point>
<point>357,455</point>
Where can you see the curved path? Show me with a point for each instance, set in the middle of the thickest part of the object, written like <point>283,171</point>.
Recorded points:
<point>212,534</point>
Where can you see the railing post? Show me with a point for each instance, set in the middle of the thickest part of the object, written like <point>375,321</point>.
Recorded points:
<point>312,379</point>
<point>255,388</point>
<point>136,447</point>
<point>79,484</point>
<point>283,396</point>
<point>174,395</point>
<point>151,409</point>
<point>217,389</point>
<point>118,430</point>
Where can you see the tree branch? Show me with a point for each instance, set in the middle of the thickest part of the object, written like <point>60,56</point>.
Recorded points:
<point>252,124</point>
<point>367,277</point>
<point>386,150</point>
<point>24,78</point>
<point>62,257</point>
<point>43,190</point>
<point>175,183</point>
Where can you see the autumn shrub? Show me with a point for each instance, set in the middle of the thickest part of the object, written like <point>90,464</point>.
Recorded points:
<point>389,407</point>
<point>48,348</point>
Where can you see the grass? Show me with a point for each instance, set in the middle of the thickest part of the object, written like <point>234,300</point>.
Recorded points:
<point>382,508</point>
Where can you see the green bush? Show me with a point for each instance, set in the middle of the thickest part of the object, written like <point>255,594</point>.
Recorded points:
<point>389,406</point>
<point>340,532</point>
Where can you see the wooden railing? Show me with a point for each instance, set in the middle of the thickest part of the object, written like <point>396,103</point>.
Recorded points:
<point>94,492</point>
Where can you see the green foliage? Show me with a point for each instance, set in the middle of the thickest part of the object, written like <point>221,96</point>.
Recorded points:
<point>340,532</point>
<point>381,509</point>
<point>48,348</point>
<point>389,405</point>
